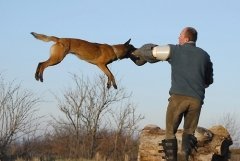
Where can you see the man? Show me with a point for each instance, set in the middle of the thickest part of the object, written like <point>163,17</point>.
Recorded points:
<point>191,73</point>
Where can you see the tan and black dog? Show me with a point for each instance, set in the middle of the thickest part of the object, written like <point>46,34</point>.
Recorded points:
<point>94,53</point>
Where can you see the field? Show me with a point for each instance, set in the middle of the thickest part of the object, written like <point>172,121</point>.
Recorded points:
<point>37,159</point>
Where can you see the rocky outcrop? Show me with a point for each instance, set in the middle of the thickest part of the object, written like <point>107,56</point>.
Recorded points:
<point>213,144</point>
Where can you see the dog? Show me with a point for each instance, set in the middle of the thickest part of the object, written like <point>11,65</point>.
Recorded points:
<point>94,53</point>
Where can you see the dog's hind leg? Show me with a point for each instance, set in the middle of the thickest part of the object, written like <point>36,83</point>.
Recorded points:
<point>58,53</point>
<point>111,79</point>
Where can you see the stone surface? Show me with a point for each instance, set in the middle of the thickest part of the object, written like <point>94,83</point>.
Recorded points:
<point>213,144</point>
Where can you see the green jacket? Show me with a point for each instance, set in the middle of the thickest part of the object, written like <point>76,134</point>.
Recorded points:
<point>192,70</point>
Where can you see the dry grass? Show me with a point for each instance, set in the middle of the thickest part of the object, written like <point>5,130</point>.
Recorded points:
<point>74,160</point>
<point>37,159</point>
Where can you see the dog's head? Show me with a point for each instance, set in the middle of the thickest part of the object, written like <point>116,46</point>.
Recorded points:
<point>129,49</point>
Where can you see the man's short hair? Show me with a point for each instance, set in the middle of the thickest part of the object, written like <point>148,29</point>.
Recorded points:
<point>191,33</point>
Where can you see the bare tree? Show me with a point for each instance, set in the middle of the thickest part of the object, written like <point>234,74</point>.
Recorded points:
<point>126,122</point>
<point>84,107</point>
<point>230,122</point>
<point>71,105</point>
<point>17,113</point>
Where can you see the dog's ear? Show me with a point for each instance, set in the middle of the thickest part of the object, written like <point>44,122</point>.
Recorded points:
<point>127,43</point>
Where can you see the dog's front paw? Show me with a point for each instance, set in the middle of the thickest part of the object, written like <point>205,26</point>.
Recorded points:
<point>36,76</point>
<point>115,86</point>
<point>108,85</point>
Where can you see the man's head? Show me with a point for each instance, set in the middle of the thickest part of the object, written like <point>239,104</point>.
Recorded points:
<point>187,34</point>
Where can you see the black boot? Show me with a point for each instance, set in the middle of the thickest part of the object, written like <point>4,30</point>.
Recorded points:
<point>170,149</point>
<point>189,142</point>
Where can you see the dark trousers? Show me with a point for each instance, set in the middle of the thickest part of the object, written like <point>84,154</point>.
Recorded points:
<point>182,106</point>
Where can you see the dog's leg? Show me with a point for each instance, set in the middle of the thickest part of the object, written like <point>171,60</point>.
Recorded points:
<point>37,74</point>
<point>111,79</point>
<point>57,54</point>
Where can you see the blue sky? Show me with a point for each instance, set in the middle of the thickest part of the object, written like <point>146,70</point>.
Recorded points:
<point>113,22</point>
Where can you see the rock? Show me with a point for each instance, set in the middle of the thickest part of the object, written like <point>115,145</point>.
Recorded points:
<point>213,144</point>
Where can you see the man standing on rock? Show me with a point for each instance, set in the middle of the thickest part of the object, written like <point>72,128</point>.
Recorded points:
<point>191,73</point>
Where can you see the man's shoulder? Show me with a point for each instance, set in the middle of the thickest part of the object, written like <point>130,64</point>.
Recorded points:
<point>203,52</point>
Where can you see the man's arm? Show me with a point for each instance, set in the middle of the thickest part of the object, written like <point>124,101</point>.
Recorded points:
<point>143,54</point>
<point>209,74</point>
<point>137,60</point>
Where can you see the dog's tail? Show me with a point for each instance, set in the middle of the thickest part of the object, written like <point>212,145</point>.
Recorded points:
<point>45,37</point>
